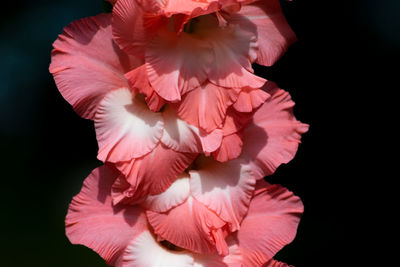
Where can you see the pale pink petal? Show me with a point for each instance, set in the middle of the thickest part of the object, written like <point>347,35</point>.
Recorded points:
<point>205,107</point>
<point>199,232</point>
<point>274,135</point>
<point>211,141</point>
<point>250,99</point>
<point>279,211</point>
<point>155,172</point>
<point>266,20</point>
<point>94,222</point>
<point>175,195</point>
<point>125,127</point>
<point>87,64</point>
<point>178,134</point>
<point>233,51</point>
<point>138,80</point>
<point>230,148</point>
<point>134,23</point>
<point>144,250</point>
<point>176,65</point>
<point>225,188</point>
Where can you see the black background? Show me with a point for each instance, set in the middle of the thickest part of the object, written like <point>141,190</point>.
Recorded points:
<point>47,150</point>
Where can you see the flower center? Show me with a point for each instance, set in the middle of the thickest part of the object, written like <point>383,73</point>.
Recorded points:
<point>168,245</point>
<point>201,24</point>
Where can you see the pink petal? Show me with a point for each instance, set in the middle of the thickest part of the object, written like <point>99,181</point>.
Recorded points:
<point>250,99</point>
<point>87,64</point>
<point>91,212</point>
<point>274,135</point>
<point>134,24</point>
<point>176,65</point>
<point>205,107</point>
<point>211,141</point>
<point>155,172</point>
<point>274,263</point>
<point>179,135</point>
<point>235,121</point>
<point>234,51</point>
<point>125,127</point>
<point>230,148</point>
<point>175,195</point>
<point>279,211</point>
<point>198,232</point>
<point>146,251</point>
<point>138,80</point>
<point>225,188</point>
<point>266,20</point>
<point>193,8</point>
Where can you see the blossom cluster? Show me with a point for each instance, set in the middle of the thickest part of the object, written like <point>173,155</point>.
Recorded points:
<point>186,131</point>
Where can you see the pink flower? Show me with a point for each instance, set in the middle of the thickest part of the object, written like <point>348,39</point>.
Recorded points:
<point>198,54</point>
<point>121,235</point>
<point>89,68</point>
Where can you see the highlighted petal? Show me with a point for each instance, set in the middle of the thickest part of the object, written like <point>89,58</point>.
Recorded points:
<point>250,99</point>
<point>274,135</point>
<point>138,80</point>
<point>125,127</point>
<point>178,134</point>
<point>280,212</point>
<point>225,188</point>
<point>91,212</point>
<point>266,20</point>
<point>198,232</point>
<point>175,195</point>
<point>87,64</point>
<point>211,141</point>
<point>155,172</point>
<point>145,251</point>
<point>205,107</point>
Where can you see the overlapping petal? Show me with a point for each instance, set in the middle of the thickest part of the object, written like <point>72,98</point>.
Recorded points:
<point>279,211</point>
<point>274,134</point>
<point>267,22</point>
<point>91,212</point>
<point>87,64</point>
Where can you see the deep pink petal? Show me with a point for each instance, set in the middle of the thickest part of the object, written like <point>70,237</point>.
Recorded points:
<point>125,127</point>
<point>274,135</point>
<point>274,263</point>
<point>94,222</point>
<point>87,64</point>
<point>205,107</point>
<point>279,211</point>
<point>236,121</point>
<point>155,172</point>
<point>201,231</point>
<point>230,148</point>
<point>225,188</point>
<point>138,80</point>
<point>266,20</point>
<point>250,99</point>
